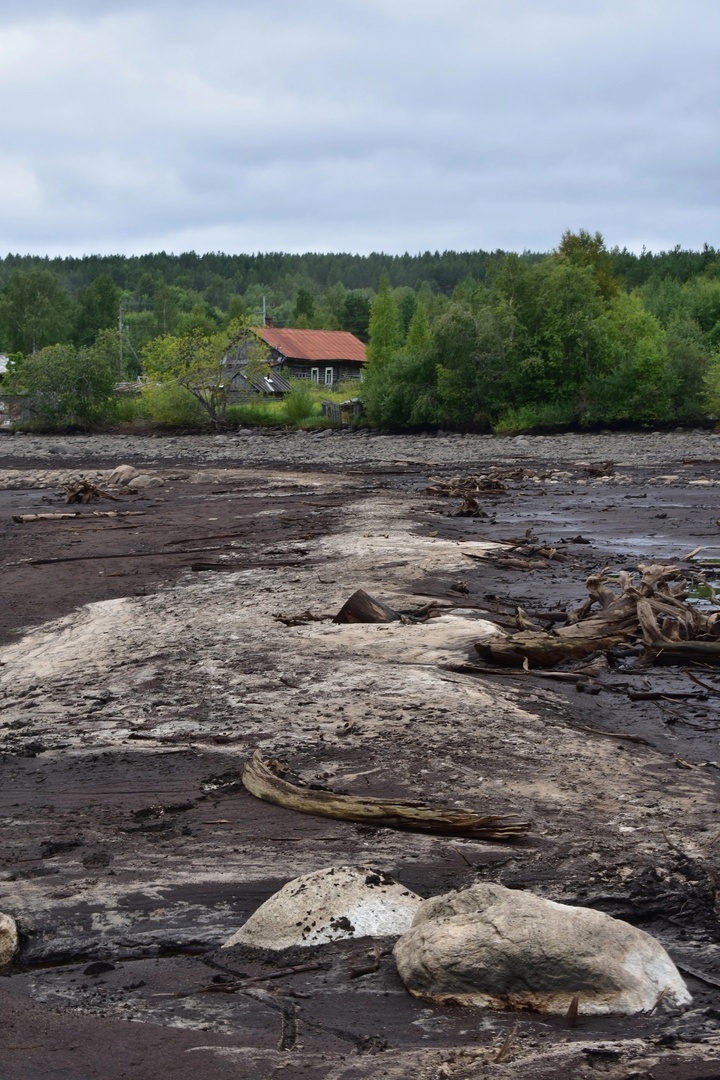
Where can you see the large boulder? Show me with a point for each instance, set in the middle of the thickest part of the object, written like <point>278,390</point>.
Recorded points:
<point>333,904</point>
<point>8,939</point>
<point>505,948</point>
<point>122,475</point>
<point>145,480</point>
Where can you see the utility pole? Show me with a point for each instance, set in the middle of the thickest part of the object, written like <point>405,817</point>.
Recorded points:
<point>120,339</point>
<point>264,314</point>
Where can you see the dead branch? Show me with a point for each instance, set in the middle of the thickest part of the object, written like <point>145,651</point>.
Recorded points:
<point>264,779</point>
<point>612,734</point>
<point>82,491</point>
<point>301,619</point>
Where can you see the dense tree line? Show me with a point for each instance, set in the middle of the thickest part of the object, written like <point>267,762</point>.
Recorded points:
<point>556,342</point>
<point>581,335</point>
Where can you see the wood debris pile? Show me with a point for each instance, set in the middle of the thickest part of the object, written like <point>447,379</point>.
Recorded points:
<point>521,554</point>
<point>649,609</point>
<point>82,491</point>
<point>470,489</point>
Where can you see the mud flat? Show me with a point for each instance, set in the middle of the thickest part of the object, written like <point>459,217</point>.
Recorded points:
<point>143,662</point>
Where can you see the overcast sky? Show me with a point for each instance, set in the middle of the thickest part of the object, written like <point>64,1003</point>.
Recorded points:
<point>358,125</point>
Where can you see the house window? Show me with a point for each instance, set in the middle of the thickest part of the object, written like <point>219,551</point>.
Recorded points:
<point>328,376</point>
<point>315,374</point>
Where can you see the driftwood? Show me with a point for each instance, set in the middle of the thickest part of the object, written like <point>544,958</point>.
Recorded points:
<point>82,491</point>
<point>652,610</point>
<point>363,608</point>
<point>264,779</point>
<point>233,567</point>
<point>120,555</point>
<point>301,619</point>
<point>25,519</point>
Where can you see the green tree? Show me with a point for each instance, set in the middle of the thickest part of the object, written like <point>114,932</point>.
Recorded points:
<point>560,310</point>
<point>166,308</point>
<point>632,379</point>
<point>583,249</point>
<point>384,330</point>
<point>402,390</point>
<point>407,303</point>
<point>96,308</point>
<point>355,315</point>
<point>34,311</point>
<point>304,310</point>
<point>199,362</point>
<point>64,385</point>
<point>201,317</point>
<point>689,356</point>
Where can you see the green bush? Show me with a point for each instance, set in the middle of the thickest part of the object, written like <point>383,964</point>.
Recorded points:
<point>262,413</point>
<point>527,417</point>
<point>301,402</point>
<point>712,385</point>
<point>171,405</point>
<point>64,386</point>
<point>127,408</point>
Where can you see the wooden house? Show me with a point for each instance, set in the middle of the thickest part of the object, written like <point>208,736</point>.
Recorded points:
<point>323,356</point>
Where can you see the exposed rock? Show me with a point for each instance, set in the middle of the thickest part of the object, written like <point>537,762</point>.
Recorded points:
<point>122,475</point>
<point>8,939</point>
<point>503,948</point>
<point>144,480</point>
<point>332,904</point>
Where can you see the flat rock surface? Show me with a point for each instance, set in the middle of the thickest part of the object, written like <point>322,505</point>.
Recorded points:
<point>133,687</point>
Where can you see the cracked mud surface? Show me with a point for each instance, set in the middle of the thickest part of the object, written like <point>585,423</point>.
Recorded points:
<point>132,688</point>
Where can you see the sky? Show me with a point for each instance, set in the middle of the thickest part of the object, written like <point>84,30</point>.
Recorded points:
<point>357,125</point>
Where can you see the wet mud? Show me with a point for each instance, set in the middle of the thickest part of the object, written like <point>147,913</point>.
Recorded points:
<point>131,851</point>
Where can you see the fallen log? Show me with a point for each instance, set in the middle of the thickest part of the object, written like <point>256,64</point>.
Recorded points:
<point>685,652</point>
<point>659,695</point>
<point>118,555</point>
<point>264,780</point>
<point>25,519</point>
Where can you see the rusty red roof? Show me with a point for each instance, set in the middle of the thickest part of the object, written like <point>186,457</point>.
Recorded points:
<point>313,344</point>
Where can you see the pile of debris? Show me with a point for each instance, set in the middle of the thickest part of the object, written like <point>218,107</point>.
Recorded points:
<point>649,610</point>
<point>471,489</point>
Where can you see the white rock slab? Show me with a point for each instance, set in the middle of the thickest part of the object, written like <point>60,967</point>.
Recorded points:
<point>8,939</point>
<point>333,904</point>
<point>505,948</point>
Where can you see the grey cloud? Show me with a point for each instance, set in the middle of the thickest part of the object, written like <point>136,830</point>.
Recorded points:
<point>381,125</point>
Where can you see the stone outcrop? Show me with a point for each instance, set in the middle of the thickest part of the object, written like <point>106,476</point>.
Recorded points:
<point>333,904</point>
<point>503,948</point>
<point>8,939</point>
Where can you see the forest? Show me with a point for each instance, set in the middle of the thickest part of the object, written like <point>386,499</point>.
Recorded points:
<point>584,335</point>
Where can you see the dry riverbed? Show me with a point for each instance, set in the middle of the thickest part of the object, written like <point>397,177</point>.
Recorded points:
<point>142,663</point>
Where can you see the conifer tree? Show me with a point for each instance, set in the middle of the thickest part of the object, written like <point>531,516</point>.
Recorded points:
<point>385,333</point>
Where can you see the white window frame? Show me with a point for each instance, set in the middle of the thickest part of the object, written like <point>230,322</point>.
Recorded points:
<point>315,374</point>
<point>329,371</point>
